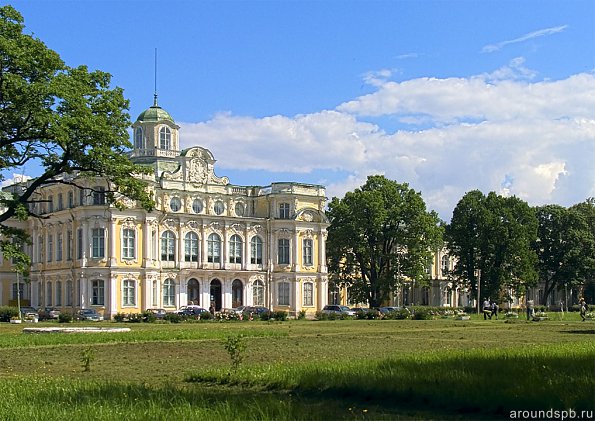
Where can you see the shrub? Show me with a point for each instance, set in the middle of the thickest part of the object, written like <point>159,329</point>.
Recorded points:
<point>173,317</point>
<point>422,314</point>
<point>301,315</point>
<point>149,317</point>
<point>65,317</point>
<point>7,312</point>
<point>119,317</point>
<point>205,315</point>
<point>135,318</point>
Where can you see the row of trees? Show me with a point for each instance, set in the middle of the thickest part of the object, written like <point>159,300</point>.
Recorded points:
<point>382,234</point>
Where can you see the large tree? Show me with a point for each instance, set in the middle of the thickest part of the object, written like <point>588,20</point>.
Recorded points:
<point>379,235</point>
<point>60,119</point>
<point>491,237</point>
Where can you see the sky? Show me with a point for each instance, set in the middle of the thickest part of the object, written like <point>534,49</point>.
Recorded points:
<point>447,96</point>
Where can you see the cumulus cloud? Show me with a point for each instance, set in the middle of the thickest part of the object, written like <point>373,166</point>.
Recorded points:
<point>535,34</point>
<point>535,140</point>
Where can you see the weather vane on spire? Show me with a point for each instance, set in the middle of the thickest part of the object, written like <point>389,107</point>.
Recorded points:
<point>155,92</point>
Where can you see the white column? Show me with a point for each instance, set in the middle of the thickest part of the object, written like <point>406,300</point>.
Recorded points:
<point>294,252</point>
<point>322,251</point>
<point>112,238</point>
<point>180,251</point>
<point>203,248</point>
<point>224,249</point>
<point>246,256</point>
<point>146,250</point>
<point>297,301</point>
<point>113,294</point>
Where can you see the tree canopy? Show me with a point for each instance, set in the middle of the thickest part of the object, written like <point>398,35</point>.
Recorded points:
<point>491,238</point>
<point>64,120</point>
<point>379,235</point>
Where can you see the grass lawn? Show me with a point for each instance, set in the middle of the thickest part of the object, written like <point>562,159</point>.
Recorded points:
<point>344,369</point>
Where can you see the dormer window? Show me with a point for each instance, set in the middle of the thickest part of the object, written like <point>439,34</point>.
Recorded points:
<point>165,138</point>
<point>138,138</point>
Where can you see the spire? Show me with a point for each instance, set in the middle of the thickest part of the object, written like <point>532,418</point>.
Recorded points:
<point>155,92</point>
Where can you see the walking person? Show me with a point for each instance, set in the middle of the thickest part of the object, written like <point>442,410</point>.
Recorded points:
<point>583,309</point>
<point>487,309</point>
<point>495,309</point>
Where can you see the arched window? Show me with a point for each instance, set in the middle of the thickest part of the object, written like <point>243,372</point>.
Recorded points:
<point>258,293</point>
<point>256,250</point>
<point>68,293</point>
<point>214,249</point>
<point>237,293</point>
<point>138,138</point>
<point>97,293</point>
<point>169,293</point>
<point>129,292</point>
<point>193,289</point>
<point>165,138</point>
<point>235,249</point>
<point>191,247</point>
<point>168,246</point>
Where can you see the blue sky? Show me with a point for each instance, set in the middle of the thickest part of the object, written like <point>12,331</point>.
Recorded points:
<point>448,96</point>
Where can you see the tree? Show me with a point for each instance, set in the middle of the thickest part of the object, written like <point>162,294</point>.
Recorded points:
<point>65,120</point>
<point>490,237</point>
<point>379,234</point>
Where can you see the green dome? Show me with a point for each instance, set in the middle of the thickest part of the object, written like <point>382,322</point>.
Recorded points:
<point>155,113</point>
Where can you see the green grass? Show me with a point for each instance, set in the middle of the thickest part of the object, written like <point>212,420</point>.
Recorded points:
<point>440,369</point>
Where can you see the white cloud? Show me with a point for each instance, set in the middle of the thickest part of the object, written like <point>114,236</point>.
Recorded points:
<point>533,140</point>
<point>16,178</point>
<point>535,34</point>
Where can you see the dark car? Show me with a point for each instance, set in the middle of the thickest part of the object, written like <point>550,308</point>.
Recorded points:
<point>48,313</point>
<point>191,311</point>
<point>88,314</point>
<point>255,310</point>
<point>388,309</point>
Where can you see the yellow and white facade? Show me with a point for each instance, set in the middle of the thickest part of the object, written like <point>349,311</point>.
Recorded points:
<point>208,242</point>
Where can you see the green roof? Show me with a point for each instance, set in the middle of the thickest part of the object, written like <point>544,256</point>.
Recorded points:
<point>155,113</point>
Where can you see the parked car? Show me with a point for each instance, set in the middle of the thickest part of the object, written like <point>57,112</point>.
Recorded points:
<point>48,313</point>
<point>388,309</point>
<point>88,314</point>
<point>158,312</point>
<point>191,310</point>
<point>337,309</point>
<point>364,310</point>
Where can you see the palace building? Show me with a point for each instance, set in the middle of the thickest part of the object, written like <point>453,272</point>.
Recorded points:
<point>208,242</point>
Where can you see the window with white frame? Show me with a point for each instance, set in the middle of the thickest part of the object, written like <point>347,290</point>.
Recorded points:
<point>60,201</point>
<point>283,251</point>
<point>97,292</point>
<point>50,255</point>
<point>59,247</point>
<point>165,138</point>
<point>258,293</point>
<point>98,243</point>
<point>68,293</point>
<point>128,293</point>
<point>68,245</point>
<point>197,206</point>
<point>70,199</point>
<point>307,252</point>
<point>168,246</point>
<point>308,294</point>
<point>169,293</point>
<point>80,247</point>
<point>128,243</point>
<point>256,250</point>
<point>138,138</point>
<point>283,289</point>
<point>155,301</point>
<point>48,293</point>
<point>175,204</point>
<point>214,248</point>
<point>235,249</point>
<point>18,293</point>
<point>219,207</point>
<point>445,265</point>
<point>58,293</point>
<point>191,247</point>
<point>284,211</point>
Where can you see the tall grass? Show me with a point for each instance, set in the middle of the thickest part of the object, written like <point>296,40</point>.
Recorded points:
<point>477,380</point>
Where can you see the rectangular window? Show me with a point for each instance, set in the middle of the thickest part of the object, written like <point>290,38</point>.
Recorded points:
<point>283,296</point>
<point>284,211</point>
<point>128,243</point>
<point>307,252</point>
<point>256,251</point>
<point>82,197</point>
<point>68,293</point>
<point>50,247</point>
<point>20,291</point>
<point>99,195</point>
<point>70,200</point>
<point>308,294</point>
<point>98,240</point>
<point>40,248</point>
<point>129,293</point>
<point>60,202</point>
<point>97,293</point>
<point>79,243</point>
<point>50,204</point>
<point>59,247</point>
<point>69,245</point>
<point>283,252</point>
<point>155,294</point>
<point>48,294</point>
<point>58,293</point>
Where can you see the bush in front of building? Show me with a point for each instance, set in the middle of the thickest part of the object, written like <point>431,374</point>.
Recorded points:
<point>172,318</point>
<point>421,313</point>
<point>8,312</point>
<point>65,317</point>
<point>279,315</point>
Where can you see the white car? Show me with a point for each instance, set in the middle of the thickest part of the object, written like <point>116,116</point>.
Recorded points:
<point>337,309</point>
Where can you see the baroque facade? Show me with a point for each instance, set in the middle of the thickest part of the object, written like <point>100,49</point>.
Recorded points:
<point>208,242</point>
